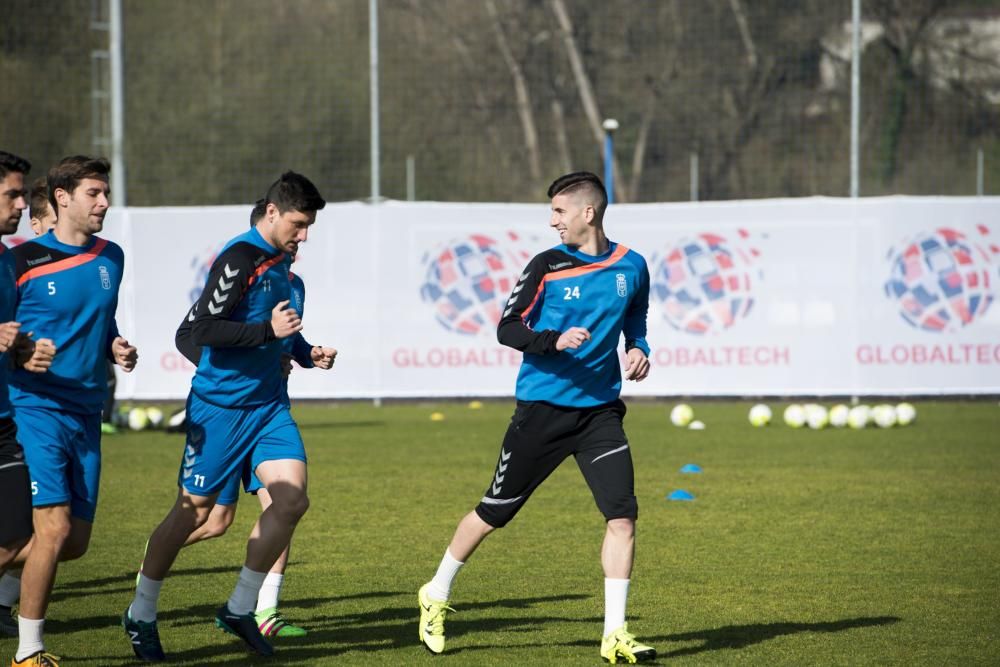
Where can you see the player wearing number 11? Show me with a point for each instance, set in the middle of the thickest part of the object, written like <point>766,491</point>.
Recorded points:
<point>238,420</point>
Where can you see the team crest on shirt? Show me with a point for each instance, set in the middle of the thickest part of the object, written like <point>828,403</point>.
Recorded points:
<point>105,276</point>
<point>621,284</point>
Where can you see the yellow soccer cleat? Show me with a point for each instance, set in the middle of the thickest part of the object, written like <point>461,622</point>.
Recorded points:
<point>40,659</point>
<point>432,615</point>
<point>621,644</point>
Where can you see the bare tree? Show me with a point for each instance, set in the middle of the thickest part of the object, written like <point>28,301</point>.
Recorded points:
<point>522,95</point>
<point>905,26</point>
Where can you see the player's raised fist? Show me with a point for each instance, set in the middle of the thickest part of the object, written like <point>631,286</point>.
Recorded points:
<point>284,320</point>
<point>124,353</point>
<point>8,334</point>
<point>323,357</point>
<point>572,338</point>
<point>34,355</point>
<point>638,365</point>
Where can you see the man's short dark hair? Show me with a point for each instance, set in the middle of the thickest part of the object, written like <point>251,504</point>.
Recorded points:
<point>71,170</point>
<point>294,192</point>
<point>581,180</point>
<point>38,198</point>
<point>259,208</point>
<point>10,162</point>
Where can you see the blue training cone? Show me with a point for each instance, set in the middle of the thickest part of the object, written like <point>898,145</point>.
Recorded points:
<point>679,494</point>
<point>691,468</point>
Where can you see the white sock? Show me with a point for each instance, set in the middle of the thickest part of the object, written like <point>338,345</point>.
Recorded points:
<point>440,586</point>
<point>269,591</point>
<point>615,595</point>
<point>29,633</point>
<point>147,594</point>
<point>241,602</point>
<point>10,588</point>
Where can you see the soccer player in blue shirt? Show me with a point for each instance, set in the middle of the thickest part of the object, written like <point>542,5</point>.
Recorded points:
<point>567,313</point>
<point>15,485</point>
<point>67,291</point>
<point>270,620</point>
<point>237,418</point>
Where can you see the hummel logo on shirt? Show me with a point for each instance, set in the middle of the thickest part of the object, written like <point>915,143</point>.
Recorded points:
<point>40,260</point>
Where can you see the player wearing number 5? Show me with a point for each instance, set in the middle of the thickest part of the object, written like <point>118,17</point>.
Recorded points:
<point>67,292</point>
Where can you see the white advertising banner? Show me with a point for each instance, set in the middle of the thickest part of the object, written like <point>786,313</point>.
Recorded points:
<point>776,297</point>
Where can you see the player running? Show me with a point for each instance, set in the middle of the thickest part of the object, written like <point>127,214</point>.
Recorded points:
<point>238,421</point>
<point>67,290</point>
<point>567,313</point>
<point>270,620</point>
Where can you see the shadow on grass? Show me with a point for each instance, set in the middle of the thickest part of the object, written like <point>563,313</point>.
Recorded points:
<point>741,636</point>
<point>391,628</point>
<point>129,577</point>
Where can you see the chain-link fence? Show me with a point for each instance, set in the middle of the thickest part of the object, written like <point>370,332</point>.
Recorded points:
<point>488,100</point>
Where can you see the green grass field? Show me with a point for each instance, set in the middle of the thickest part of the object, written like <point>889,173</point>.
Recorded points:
<point>801,548</point>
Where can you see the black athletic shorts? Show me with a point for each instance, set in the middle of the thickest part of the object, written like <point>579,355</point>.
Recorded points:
<point>540,437</point>
<point>15,487</point>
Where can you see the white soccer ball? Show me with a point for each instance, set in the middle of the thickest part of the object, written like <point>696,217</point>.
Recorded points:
<point>138,419</point>
<point>884,415</point>
<point>858,416</point>
<point>155,417</point>
<point>838,416</point>
<point>681,415</point>
<point>905,414</point>
<point>794,415</point>
<point>760,415</point>
<point>816,416</point>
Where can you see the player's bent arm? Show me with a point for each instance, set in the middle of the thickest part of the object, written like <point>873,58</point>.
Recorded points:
<point>634,327</point>
<point>226,333</point>
<point>513,330</point>
<point>184,344</point>
<point>227,283</point>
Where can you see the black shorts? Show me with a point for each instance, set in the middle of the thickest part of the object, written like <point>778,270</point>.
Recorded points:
<point>540,437</point>
<point>15,487</point>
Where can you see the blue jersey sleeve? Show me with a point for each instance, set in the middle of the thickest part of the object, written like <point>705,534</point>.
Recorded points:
<point>634,327</point>
<point>296,345</point>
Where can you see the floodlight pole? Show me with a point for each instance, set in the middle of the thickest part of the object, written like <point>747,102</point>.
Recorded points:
<point>117,56</point>
<point>374,106</point>
<point>609,125</point>
<point>855,94</point>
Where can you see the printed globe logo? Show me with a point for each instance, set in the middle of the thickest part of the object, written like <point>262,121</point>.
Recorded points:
<point>202,266</point>
<point>705,284</point>
<point>943,280</point>
<point>468,280</point>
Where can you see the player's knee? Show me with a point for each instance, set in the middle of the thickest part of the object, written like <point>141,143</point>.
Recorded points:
<point>53,530</point>
<point>291,507</point>
<point>622,528</point>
